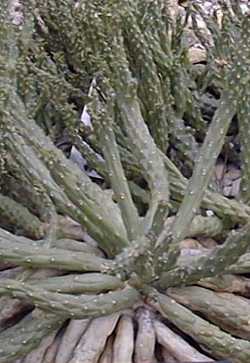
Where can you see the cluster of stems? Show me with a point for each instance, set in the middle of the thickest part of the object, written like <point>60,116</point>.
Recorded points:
<point>142,94</point>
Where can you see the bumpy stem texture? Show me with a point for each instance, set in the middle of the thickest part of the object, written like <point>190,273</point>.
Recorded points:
<point>19,217</point>
<point>66,305</point>
<point>210,337</point>
<point>217,261</point>
<point>34,328</point>
<point>229,312</point>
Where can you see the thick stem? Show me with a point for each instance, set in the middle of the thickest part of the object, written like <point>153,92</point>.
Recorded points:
<point>23,253</point>
<point>79,284</point>
<point>214,263</point>
<point>19,217</point>
<point>198,183</point>
<point>214,340</point>
<point>104,117</point>
<point>34,328</point>
<point>231,313</point>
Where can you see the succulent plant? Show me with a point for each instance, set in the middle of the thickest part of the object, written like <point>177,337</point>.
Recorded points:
<point>112,272</point>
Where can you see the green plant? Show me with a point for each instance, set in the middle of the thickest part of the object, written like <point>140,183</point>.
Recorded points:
<point>143,94</point>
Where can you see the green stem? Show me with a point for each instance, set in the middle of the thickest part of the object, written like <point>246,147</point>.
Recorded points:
<point>68,306</point>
